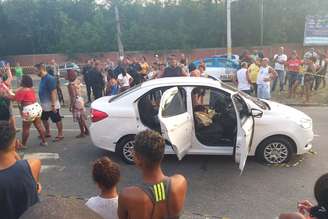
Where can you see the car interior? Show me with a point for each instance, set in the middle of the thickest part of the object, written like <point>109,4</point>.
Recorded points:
<point>214,117</point>
<point>148,106</point>
<point>214,114</point>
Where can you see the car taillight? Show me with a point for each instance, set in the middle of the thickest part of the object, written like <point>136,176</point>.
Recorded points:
<point>97,115</point>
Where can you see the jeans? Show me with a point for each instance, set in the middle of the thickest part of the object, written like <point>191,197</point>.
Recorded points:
<point>281,78</point>
<point>263,91</point>
<point>88,86</point>
<point>97,92</point>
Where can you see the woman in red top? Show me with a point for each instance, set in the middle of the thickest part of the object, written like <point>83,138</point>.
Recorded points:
<point>30,110</point>
<point>293,64</point>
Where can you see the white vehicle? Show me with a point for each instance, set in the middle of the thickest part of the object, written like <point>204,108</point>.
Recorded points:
<point>200,116</point>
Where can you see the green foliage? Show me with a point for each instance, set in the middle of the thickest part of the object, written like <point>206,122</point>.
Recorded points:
<point>71,26</point>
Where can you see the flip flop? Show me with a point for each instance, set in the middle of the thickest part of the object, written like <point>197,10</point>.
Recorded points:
<point>58,138</point>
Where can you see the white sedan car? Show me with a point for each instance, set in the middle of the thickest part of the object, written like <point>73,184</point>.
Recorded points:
<point>200,116</point>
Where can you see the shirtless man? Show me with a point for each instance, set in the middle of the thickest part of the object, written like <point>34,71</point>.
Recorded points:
<point>158,196</point>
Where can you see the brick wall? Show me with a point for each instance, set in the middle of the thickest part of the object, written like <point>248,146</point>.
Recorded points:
<point>30,60</point>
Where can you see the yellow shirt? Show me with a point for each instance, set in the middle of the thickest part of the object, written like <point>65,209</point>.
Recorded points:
<point>254,71</point>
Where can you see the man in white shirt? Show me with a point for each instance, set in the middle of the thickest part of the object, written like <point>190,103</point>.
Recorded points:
<point>243,79</point>
<point>279,65</point>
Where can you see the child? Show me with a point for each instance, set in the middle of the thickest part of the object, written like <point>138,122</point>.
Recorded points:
<point>112,87</point>
<point>106,174</point>
<point>77,103</point>
<point>30,110</point>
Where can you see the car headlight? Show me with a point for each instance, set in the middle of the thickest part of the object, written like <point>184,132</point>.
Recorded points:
<point>305,123</point>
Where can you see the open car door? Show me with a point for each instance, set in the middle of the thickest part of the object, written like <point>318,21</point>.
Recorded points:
<point>245,126</point>
<point>176,123</point>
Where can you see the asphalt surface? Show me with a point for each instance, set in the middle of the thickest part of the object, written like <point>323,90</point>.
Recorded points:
<point>216,188</point>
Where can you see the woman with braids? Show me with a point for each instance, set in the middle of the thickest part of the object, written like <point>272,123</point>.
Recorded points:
<point>106,174</point>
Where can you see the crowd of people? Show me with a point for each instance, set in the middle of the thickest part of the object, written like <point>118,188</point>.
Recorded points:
<point>158,196</point>
<point>258,78</point>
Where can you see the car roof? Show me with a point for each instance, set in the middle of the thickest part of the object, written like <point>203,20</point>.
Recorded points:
<point>183,81</point>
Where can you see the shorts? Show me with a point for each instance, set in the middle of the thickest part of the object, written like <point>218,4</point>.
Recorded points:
<point>54,116</point>
<point>293,77</point>
<point>31,112</point>
<point>263,91</point>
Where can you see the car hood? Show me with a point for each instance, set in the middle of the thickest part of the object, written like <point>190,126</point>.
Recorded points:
<point>286,112</point>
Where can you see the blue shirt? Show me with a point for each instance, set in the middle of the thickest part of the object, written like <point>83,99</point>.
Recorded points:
<point>47,85</point>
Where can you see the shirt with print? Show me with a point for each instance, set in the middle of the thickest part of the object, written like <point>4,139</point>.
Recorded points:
<point>105,207</point>
<point>124,81</point>
<point>294,65</point>
<point>47,85</point>
<point>280,58</point>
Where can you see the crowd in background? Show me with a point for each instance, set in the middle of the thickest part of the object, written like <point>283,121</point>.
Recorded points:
<point>307,72</point>
<point>257,76</point>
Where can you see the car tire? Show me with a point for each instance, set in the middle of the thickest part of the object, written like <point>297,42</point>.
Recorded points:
<point>124,148</point>
<point>275,150</point>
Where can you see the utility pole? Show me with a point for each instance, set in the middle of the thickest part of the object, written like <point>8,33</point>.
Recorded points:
<point>229,44</point>
<point>119,34</point>
<point>261,20</point>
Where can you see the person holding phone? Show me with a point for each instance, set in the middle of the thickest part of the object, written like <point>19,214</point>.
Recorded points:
<point>307,210</point>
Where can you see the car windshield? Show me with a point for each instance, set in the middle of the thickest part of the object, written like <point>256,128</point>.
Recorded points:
<point>215,63</point>
<point>260,103</point>
<point>125,93</point>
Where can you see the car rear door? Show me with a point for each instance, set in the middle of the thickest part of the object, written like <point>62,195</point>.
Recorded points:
<point>245,126</point>
<point>176,123</point>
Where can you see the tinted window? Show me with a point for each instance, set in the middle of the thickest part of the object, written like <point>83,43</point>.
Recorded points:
<point>241,107</point>
<point>175,106</point>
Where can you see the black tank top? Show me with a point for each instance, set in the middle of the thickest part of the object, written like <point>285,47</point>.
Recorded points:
<point>18,190</point>
<point>157,193</point>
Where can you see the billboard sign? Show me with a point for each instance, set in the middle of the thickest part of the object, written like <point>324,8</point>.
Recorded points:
<point>316,31</point>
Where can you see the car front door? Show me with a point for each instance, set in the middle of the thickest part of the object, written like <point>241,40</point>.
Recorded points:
<point>245,126</point>
<point>176,122</point>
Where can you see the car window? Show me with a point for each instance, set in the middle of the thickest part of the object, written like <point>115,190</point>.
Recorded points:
<point>125,93</point>
<point>215,63</point>
<point>176,106</point>
<point>242,107</point>
<point>70,65</point>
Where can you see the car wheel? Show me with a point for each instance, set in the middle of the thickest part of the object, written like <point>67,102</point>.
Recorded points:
<point>125,149</point>
<point>275,150</point>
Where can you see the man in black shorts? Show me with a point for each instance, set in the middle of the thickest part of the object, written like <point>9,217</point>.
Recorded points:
<point>49,102</point>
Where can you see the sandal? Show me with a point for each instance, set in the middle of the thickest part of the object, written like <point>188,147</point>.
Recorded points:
<point>58,138</point>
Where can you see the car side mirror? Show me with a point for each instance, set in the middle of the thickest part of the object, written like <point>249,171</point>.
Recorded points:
<point>256,113</point>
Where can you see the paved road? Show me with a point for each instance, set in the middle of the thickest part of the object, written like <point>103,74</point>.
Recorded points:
<point>215,185</point>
